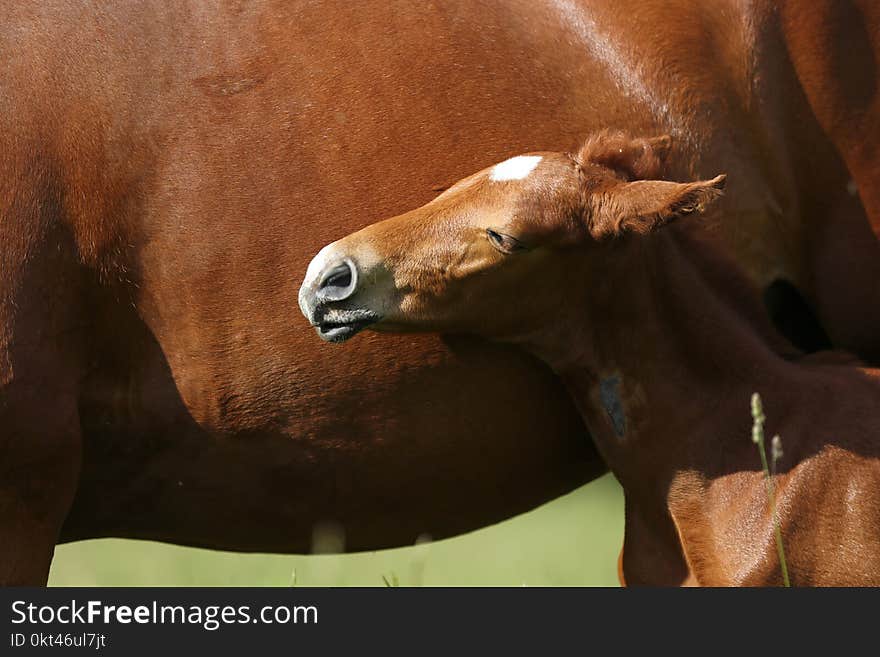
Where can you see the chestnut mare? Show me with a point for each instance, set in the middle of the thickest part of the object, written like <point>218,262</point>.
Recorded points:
<point>660,344</point>
<point>167,169</point>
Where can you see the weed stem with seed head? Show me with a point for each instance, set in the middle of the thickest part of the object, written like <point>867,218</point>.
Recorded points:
<point>776,454</point>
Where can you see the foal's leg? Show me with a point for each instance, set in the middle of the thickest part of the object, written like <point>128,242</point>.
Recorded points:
<point>652,554</point>
<point>621,577</point>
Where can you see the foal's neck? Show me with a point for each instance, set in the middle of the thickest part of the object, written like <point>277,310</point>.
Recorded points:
<point>674,342</point>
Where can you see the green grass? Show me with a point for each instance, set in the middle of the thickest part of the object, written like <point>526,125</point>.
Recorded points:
<point>574,540</point>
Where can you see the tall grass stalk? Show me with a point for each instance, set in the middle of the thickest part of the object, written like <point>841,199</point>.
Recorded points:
<point>758,419</point>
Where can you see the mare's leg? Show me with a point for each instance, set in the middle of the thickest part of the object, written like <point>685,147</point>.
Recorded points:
<point>39,443</point>
<point>40,367</point>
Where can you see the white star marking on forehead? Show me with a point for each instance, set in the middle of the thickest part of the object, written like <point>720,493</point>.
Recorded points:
<point>516,168</point>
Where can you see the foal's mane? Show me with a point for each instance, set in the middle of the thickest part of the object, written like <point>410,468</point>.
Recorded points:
<point>632,159</point>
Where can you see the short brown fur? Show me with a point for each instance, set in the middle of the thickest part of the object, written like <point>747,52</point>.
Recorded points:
<point>660,342</point>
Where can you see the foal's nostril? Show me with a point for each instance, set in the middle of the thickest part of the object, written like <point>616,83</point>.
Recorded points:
<point>338,282</point>
<point>339,277</point>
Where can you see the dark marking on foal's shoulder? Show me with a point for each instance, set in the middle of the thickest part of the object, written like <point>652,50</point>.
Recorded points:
<point>609,396</point>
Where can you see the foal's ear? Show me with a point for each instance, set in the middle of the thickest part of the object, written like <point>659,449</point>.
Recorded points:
<point>641,206</point>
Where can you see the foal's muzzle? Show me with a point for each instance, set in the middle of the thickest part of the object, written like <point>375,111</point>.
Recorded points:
<point>329,283</point>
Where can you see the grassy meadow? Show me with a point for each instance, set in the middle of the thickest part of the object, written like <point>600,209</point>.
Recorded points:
<point>572,541</point>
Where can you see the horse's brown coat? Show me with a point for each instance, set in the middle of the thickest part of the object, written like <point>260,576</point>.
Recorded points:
<point>661,343</point>
<point>166,169</point>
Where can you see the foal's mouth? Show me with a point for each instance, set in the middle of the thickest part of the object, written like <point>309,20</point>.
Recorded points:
<point>340,325</point>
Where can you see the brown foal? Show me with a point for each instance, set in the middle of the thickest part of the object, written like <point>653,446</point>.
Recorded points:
<point>660,342</point>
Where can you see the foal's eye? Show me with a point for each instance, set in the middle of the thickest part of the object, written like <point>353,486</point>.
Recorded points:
<point>504,243</point>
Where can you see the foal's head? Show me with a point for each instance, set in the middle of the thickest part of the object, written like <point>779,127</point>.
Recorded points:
<point>504,252</point>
